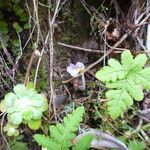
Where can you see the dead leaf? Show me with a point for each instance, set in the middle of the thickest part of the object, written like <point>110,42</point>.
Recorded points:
<point>102,140</point>
<point>144,114</point>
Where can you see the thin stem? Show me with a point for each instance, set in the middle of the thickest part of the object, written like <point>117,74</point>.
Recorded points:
<point>83,81</point>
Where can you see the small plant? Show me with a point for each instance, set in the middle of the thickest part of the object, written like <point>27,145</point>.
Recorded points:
<point>126,80</point>
<point>17,144</point>
<point>135,145</point>
<point>23,106</point>
<point>62,135</point>
<point>74,70</point>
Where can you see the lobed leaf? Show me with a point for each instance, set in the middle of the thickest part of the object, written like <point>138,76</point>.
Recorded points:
<point>128,80</point>
<point>139,62</point>
<point>112,72</point>
<point>127,60</point>
<point>143,78</point>
<point>46,142</point>
<point>119,101</point>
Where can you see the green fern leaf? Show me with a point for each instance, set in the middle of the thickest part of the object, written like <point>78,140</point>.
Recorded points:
<point>119,101</point>
<point>128,80</point>
<point>112,72</point>
<point>143,78</point>
<point>46,142</point>
<point>127,60</point>
<point>139,62</point>
<point>19,146</point>
<point>134,90</point>
<point>61,135</point>
<point>135,145</point>
<point>84,143</point>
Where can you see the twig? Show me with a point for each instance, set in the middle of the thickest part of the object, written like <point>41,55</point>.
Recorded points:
<point>65,86</point>
<point>148,31</point>
<point>79,48</point>
<point>86,7</point>
<point>88,50</point>
<point>2,121</point>
<point>147,139</point>
<point>112,47</point>
<point>5,50</point>
<point>106,54</point>
<point>28,69</point>
<point>40,58</point>
<point>51,55</point>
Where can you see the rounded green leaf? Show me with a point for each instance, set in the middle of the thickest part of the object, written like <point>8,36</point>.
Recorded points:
<point>3,106</point>
<point>127,60</point>
<point>19,89</point>
<point>44,107</point>
<point>9,99</point>
<point>139,62</point>
<point>22,103</point>
<point>34,124</point>
<point>11,130</point>
<point>37,100</point>
<point>16,118</point>
<point>27,115</point>
<point>37,113</point>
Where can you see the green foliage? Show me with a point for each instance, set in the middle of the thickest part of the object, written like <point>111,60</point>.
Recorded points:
<point>23,106</point>
<point>20,12</point>
<point>84,143</point>
<point>17,27</point>
<point>135,145</point>
<point>16,144</point>
<point>3,27</point>
<point>62,134</point>
<point>127,81</point>
<point>17,20</point>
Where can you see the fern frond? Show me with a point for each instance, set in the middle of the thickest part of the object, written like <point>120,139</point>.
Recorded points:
<point>46,142</point>
<point>62,134</point>
<point>128,80</point>
<point>84,143</point>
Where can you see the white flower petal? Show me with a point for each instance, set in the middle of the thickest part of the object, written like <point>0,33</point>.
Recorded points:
<point>74,73</point>
<point>74,70</point>
<point>70,68</point>
<point>80,64</point>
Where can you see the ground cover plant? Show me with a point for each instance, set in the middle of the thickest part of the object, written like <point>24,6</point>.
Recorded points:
<point>23,105</point>
<point>127,79</point>
<point>74,74</point>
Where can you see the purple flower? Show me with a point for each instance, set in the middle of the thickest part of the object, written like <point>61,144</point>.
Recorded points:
<point>74,70</point>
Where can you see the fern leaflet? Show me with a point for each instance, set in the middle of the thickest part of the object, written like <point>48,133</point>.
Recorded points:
<point>84,143</point>
<point>62,134</point>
